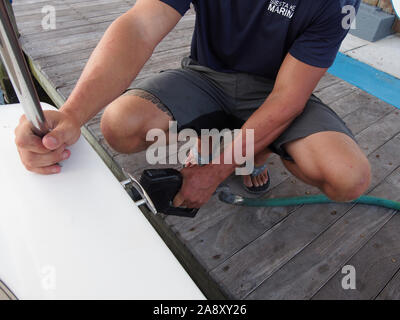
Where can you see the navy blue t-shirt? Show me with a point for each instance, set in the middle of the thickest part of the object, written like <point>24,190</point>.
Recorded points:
<point>254,36</point>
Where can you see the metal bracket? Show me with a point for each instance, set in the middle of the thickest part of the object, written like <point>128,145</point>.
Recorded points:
<point>145,199</point>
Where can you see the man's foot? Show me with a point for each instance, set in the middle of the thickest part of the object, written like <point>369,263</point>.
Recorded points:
<point>258,182</point>
<point>194,158</point>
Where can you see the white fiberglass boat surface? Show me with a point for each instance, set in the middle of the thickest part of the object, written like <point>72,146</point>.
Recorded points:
<point>78,235</point>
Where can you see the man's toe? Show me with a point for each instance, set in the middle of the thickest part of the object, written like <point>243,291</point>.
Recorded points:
<point>247,181</point>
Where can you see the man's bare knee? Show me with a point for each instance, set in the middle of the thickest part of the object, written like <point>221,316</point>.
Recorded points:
<point>333,162</point>
<point>126,121</point>
<point>350,183</point>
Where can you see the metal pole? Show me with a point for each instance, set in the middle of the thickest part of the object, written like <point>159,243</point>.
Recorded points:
<point>17,69</point>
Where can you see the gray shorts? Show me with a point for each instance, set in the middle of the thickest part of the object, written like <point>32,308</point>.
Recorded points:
<point>200,98</point>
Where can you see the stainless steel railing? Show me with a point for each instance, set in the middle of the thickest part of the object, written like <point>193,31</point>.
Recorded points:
<point>17,69</point>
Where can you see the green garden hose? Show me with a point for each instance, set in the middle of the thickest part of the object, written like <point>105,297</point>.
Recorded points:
<point>228,197</point>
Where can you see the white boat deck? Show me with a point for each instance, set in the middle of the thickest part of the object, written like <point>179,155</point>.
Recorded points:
<point>78,235</point>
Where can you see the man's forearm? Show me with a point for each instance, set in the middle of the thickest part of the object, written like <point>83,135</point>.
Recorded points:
<point>270,120</point>
<point>268,123</point>
<point>112,67</point>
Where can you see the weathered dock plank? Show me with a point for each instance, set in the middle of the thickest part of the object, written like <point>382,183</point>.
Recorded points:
<point>375,264</point>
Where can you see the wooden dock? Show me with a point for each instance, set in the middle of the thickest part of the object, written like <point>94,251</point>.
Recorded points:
<point>235,252</point>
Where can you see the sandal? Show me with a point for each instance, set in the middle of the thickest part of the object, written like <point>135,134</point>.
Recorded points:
<point>194,158</point>
<point>261,189</point>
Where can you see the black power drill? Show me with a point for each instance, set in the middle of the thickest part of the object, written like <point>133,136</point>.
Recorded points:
<point>161,186</point>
